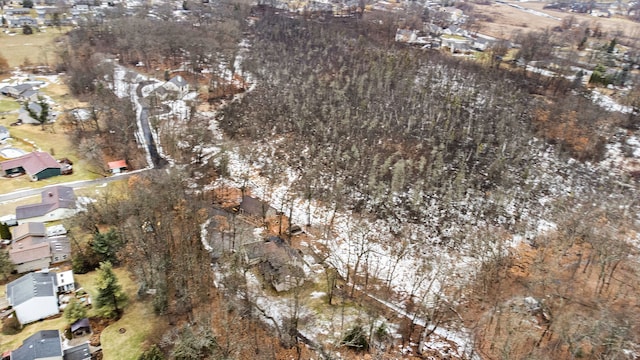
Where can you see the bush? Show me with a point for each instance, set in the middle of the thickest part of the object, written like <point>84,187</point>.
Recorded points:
<point>11,325</point>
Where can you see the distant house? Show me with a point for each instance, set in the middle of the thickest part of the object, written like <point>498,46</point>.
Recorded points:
<point>33,296</point>
<point>43,345</point>
<point>37,165</point>
<point>25,116</point>
<point>256,208</point>
<point>58,202</point>
<point>4,133</point>
<point>15,91</point>
<point>21,21</point>
<point>116,167</point>
<point>279,264</point>
<point>178,85</point>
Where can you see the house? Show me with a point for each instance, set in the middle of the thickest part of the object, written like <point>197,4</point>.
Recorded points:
<point>30,256</point>
<point>456,43</point>
<point>33,296</point>
<point>58,202</point>
<point>279,264</point>
<point>60,247</point>
<point>43,345</point>
<point>4,133</point>
<point>256,208</point>
<point>31,229</point>
<point>29,249</point>
<point>21,21</point>
<point>177,84</point>
<point>116,167</point>
<point>15,91</point>
<point>81,327</point>
<point>65,281</point>
<point>24,114</point>
<point>79,352</point>
<point>37,165</point>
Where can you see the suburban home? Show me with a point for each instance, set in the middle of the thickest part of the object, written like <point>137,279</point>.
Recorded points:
<point>177,84</point>
<point>33,296</point>
<point>43,345</point>
<point>65,281</point>
<point>29,249</point>
<point>21,21</point>
<point>4,133</point>
<point>256,208</point>
<point>25,116</point>
<point>58,202</point>
<point>15,91</point>
<point>279,264</point>
<point>33,249</point>
<point>37,165</point>
<point>116,167</point>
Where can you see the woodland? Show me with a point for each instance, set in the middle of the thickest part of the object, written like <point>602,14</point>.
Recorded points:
<point>451,155</point>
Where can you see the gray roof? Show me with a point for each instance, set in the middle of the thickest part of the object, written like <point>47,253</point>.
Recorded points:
<point>31,285</point>
<point>43,344</point>
<point>80,352</point>
<point>82,323</point>
<point>178,81</point>
<point>255,207</point>
<point>52,198</point>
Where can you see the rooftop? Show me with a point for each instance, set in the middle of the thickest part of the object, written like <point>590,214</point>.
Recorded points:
<point>37,284</point>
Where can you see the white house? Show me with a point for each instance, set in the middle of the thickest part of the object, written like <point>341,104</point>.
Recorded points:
<point>65,281</point>
<point>33,296</point>
<point>177,84</point>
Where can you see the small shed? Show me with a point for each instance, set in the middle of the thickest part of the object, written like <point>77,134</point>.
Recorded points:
<point>81,328</point>
<point>118,166</point>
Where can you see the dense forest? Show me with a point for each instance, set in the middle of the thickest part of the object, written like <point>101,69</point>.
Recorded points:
<point>451,155</point>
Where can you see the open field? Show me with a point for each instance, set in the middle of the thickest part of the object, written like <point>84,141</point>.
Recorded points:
<point>38,48</point>
<point>502,21</point>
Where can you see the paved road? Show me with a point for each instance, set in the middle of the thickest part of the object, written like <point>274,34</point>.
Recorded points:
<point>74,184</point>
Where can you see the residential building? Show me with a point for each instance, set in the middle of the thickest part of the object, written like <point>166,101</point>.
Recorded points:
<point>58,202</point>
<point>43,345</point>
<point>33,296</point>
<point>37,165</point>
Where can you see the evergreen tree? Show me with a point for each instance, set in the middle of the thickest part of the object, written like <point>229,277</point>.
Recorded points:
<point>6,266</point>
<point>5,233</point>
<point>43,115</point>
<point>75,311</point>
<point>110,297</point>
<point>106,246</point>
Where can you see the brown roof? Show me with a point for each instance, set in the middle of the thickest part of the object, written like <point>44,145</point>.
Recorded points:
<point>30,253</point>
<point>32,163</point>
<point>29,229</point>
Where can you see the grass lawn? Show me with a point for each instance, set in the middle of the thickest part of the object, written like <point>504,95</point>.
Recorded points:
<point>138,320</point>
<point>52,140</point>
<point>7,104</point>
<point>38,48</point>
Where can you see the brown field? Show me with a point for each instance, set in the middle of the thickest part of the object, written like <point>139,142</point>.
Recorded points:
<point>502,21</point>
<point>38,48</point>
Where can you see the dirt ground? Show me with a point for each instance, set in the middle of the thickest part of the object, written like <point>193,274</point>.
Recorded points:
<point>502,21</point>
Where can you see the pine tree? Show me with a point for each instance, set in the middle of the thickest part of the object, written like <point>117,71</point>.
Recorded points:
<point>75,311</point>
<point>5,233</point>
<point>110,297</point>
<point>6,266</point>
